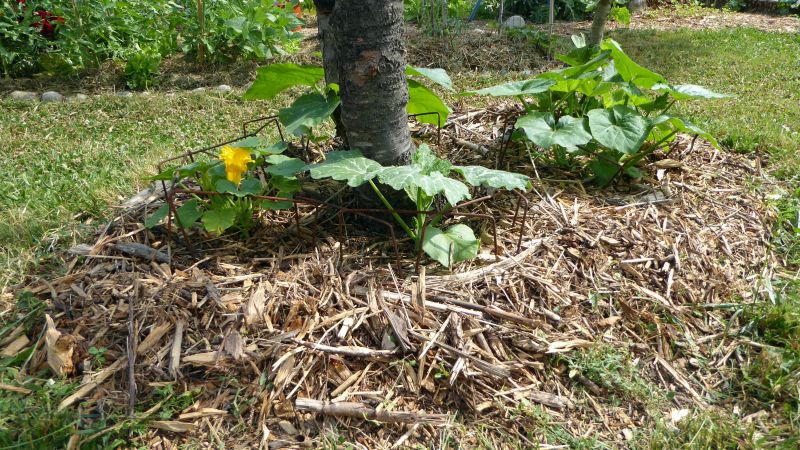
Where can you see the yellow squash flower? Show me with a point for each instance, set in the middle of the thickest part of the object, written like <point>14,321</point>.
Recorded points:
<point>236,160</point>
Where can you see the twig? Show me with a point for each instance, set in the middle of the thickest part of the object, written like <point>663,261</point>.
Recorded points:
<point>362,411</point>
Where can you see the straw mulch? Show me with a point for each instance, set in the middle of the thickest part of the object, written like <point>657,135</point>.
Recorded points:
<point>285,344</point>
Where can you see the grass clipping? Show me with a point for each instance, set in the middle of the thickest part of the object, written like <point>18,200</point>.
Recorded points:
<point>613,300</point>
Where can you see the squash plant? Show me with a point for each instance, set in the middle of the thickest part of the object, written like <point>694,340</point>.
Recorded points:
<point>311,109</point>
<point>232,181</point>
<point>602,108</point>
<point>425,178</point>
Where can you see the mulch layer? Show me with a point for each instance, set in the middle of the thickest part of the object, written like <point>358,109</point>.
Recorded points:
<point>287,341</point>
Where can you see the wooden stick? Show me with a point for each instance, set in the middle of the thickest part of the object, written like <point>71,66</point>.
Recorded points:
<point>362,411</point>
<point>347,350</point>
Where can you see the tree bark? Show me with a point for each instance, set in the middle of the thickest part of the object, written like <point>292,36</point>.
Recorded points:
<point>328,47</point>
<point>599,21</point>
<point>370,65</point>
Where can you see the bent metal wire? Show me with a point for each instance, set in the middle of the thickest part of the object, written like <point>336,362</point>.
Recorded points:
<point>172,191</point>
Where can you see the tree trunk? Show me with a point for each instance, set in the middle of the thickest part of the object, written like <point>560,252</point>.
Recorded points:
<point>599,21</point>
<point>328,47</point>
<point>370,65</point>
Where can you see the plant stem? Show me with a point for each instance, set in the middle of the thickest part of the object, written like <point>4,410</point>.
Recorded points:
<point>389,206</point>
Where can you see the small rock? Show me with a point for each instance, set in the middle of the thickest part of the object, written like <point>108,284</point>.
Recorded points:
<point>124,94</point>
<point>23,96</point>
<point>52,97</point>
<point>514,22</point>
<point>198,90</point>
<point>223,88</point>
<point>144,94</point>
<point>78,98</point>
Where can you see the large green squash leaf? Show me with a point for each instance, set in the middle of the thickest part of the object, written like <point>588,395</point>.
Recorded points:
<point>542,129</point>
<point>619,128</point>
<point>157,216</point>
<point>308,111</point>
<point>219,220</point>
<point>665,123</point>
<point>438,76</point>
<point>516,88</point>
<point>689,91</point>
<point>456,244</point>
<point>284,166</point>
<point>275,78</point>
<point>400,177</point>
<point>189,213</point>
<point>454,191</point>
<point>499,179</point>
<point>628,69</point>
<point>423,100</point>
<point>428,162</point>
<point>349,165</point>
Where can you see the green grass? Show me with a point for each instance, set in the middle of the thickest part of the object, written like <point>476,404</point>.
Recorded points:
<point>762,69</point>
<point>64,164</point>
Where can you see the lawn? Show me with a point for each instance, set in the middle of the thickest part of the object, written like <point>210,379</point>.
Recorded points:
<point>63,167</point>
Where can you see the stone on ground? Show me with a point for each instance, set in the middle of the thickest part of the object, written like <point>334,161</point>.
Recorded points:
<point>23,96</point>
<point>223,88</point>
<point>52,97</point>
<point>514,22</point>
<point>124,94</point>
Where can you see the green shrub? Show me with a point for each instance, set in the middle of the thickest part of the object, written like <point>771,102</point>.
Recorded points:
<point>603,111</point>
<point>142,68</point>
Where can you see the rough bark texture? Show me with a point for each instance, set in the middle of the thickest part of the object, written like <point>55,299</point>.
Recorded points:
<point>326,39</point>
<point>371,63</point>
<point>599,21</point>
<point>328,45</point>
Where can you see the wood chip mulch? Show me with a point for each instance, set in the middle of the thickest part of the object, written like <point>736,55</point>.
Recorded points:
<point>285,344</point>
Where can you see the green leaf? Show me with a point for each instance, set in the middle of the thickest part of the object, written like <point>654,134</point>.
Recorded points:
<point>276,205</point>
<point>284,166</point>
<point>619,128</point>
<point>456,244</point>
<point>156,218</point>
<point>428,162</point>
<point>348,166</point>
<point>621,15</point>
<point>515,88</point>
<point>189,213</point>
<point>454,191</point>
<point>224,186</point>
<point>285,184</point>
<point>219,220</point>
<point>438,76</point>
<point>274,149</point>
<point>688,91</point>
<point>542,130</point>
<point>275,78</point>
<point>249,186</point>
<point>250,142</point>
<point>666,122</point>
<point>604,171</point>
<point>629,70</point>
<point>578,40</point>
<point>400,177</point>
<point>499,179</point>
<point>423,100</point>
<point>308,111</point>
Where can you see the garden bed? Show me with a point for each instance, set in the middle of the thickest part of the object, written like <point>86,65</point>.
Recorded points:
<point>278,340</point>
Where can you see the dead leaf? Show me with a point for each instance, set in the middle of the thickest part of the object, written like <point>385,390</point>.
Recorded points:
<point>203,412</point>
<point>234,345</point>
<point>609,321</point>
<point>253,310</point>
<point>60,348</point>
<point>668,164</point>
